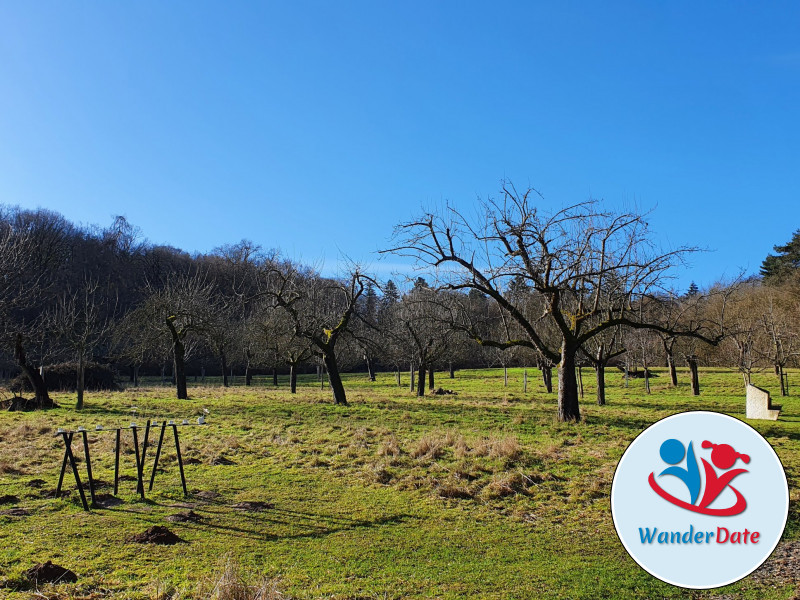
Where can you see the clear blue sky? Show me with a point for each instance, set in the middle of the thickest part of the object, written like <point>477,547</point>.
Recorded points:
<point>317,126</point>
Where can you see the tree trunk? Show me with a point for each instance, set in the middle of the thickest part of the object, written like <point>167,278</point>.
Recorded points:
<point>421,380</point>
<point>80,382</point>
<point>136,376</point>
<point>370,367</point>
<point>292,378</point>
<point>525,381</point>
<point>692,362</point>
<point>568,406</point>
<point>335,378</point>
<point>275,376</point>
<point>783,382</point>
<point>547,378</point>
<point>431,380</point>
<point>248,375</point>
<point>398,377</point>
<point>179,370</point>
<point>224,362</point>
<point>41,397</point>
<point>452,371</point>
<point>600,373</point>
<point>411,373</point>
<point>673,372</point>
<point>580,381</point>
<point>505,376</point>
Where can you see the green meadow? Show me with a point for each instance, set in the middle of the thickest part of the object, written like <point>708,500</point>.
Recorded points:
<point>479,494</point>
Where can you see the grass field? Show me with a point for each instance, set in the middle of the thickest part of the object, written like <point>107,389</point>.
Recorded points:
<point>476,495</point>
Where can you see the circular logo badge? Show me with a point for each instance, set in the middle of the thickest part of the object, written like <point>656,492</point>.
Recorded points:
<point>699,500</point>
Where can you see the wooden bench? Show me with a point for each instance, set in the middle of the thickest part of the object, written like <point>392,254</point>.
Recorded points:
<point>759,405</point>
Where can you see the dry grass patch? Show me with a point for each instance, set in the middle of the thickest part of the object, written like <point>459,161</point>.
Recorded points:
<point>428,446</point>
<point>505,484</point>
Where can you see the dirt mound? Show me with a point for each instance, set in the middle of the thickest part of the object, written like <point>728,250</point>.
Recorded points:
<point>8,499</point>
<point>221,460</point>
<point>188,516</point>
<point>107,501</point>
<point>127,478</point>
<point>50,573</point>
<point>35,483</point>
<point>443,392</point>
<point>15,512</point>
<point>157,534</point>
<point>253,506</point>
<point>18,403</point>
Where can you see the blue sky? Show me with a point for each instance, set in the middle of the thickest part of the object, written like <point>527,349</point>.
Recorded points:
<point>317,126</point>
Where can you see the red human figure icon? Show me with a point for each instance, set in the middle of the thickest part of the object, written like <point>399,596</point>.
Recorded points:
<point>724,457</point>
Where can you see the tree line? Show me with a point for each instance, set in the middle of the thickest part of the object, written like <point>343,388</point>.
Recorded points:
<point>508,284</point>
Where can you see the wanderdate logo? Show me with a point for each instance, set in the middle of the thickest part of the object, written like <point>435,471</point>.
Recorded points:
<point>723,457</point>
<point>699,499</point>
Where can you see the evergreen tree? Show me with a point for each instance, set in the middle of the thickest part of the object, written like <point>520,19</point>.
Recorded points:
<point>777,267</point>
<point>693,290</point>
<point>390,293</point>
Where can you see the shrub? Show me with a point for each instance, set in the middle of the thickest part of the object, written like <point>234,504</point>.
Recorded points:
<point>63,377</point>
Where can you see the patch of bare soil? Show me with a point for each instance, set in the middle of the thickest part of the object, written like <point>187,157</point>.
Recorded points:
<point>221,460</point>
<point>35,483</point>
<point>50,573</point>
<point>187,516</point>
<point>158,534</point>
<point>8,499</point>
<point>107,501</point>
<point>253,506</point>
<point>15,512</point>
<point>208,495</point>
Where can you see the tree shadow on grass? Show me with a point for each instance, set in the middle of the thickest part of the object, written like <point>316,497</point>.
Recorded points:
<point>315,525</point>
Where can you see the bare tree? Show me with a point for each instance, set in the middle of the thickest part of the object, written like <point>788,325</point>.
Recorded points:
<point>321,311</point>
<point>81,320</point>
<point>589,267</point>
<point>180,311</point>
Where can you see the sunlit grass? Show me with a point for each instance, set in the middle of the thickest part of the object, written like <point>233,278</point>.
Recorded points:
<point>478,494</point>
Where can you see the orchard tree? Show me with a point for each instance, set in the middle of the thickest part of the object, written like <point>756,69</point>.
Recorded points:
<point>82,319</point>
<point>321,311</point>
<point>180,312</point>
<point>590,268</point>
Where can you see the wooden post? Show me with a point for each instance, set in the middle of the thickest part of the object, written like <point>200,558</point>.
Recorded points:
<point>88,466</point>
<point>140,484</point>
<point>180,460</point>
<point>525,381</point>
<point>116,464</point>
<point>158,455</point>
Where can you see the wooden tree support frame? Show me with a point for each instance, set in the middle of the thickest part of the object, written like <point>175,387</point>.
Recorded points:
<point>140,456</point>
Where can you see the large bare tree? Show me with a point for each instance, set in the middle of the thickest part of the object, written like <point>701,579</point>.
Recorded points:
<point>589,266</point>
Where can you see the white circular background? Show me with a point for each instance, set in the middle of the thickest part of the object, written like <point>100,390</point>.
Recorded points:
<point>635,505</point>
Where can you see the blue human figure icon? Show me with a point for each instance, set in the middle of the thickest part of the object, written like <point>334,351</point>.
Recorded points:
<point>672,452</point>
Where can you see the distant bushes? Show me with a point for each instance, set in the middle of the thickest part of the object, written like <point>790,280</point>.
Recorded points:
<point>63,377</point>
